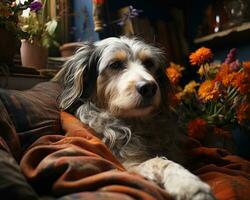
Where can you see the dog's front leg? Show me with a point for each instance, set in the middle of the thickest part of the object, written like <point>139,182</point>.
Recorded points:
<point>178,181</point>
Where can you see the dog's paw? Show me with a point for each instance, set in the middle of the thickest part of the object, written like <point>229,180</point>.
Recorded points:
<point>203,195</point>
<point>190,188</point>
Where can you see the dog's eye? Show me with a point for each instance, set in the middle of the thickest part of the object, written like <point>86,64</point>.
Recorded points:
<point>148,63</point>
<point>116,65</point>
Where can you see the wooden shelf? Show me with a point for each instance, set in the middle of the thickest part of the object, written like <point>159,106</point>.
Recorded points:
<point>234,35</point>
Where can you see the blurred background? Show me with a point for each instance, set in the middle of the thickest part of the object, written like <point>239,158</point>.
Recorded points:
<point>177,26</point>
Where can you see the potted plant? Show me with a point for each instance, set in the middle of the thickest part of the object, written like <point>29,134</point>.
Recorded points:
<point>9,30</point>
<point>40,32</point>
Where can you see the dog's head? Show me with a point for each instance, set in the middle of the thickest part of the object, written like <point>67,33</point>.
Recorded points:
<point>121,75</point>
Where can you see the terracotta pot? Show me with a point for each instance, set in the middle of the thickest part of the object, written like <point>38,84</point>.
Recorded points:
<point>69,49</point>
<point>33,55</point>
<point>8,46</point>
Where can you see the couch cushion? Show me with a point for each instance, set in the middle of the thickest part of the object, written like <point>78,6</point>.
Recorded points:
<point>33,112</point>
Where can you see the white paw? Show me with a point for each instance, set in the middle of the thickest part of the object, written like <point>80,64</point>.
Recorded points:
<point>189,188</point>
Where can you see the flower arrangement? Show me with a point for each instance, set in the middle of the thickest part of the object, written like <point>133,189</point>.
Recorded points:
<point>40,30</point>
<point>219,101</point>
<point>9,11</point>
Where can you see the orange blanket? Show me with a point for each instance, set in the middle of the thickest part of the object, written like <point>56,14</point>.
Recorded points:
<point>80,162</point>
<point>228,175</point>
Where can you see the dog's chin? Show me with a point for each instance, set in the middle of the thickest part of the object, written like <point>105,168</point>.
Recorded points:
<point>137,112</point>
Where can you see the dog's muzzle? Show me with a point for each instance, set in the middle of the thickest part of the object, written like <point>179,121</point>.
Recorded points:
<point>147,90</point>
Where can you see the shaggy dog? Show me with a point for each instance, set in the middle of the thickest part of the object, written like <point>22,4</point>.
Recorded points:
<point>117,86</point>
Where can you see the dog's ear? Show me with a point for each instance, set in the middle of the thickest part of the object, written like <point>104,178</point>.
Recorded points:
<point>78,76</point>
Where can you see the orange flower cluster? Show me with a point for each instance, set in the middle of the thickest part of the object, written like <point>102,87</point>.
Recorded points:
<point>221,98</point>
<point>174,73</point>
<point>246,66</point>
<point>242,82</point>
<point>224,75</point>
<point>208,91</point>
<point>239,79</point>
<point>197,128</point>
<point>201,56</point>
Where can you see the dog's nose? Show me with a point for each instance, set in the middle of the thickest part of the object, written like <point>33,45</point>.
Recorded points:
<point>146,89</point>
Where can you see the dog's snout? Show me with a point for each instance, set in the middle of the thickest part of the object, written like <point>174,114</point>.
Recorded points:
<point>146,89</point>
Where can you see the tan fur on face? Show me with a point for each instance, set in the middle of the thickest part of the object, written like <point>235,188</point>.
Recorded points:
<point>144,55</point>
<point>120,55</point>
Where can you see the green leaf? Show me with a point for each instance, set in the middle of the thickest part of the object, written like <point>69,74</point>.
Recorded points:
<point>51,26</point>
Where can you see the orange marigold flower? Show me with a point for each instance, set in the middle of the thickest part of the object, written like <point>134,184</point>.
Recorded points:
<point>241,81</point>
<point>223,71</point>
<point>243,113</point>
<point>227,79</point>
<point>197,128</point>
<point>174,73</point>
<point>246,66</point>
<point>208,91</point>
<point>201,56</point>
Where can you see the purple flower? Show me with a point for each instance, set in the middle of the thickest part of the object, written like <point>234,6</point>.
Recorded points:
<point>36,6</point>
<point>129,15</point>
<point>133,12</point>
<point>235,65</point>
<point>231,56</point>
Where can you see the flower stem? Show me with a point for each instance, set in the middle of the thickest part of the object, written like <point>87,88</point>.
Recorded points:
<point>43,11</point>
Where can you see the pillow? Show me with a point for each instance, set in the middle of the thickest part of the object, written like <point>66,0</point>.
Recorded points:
<point>33,112</point>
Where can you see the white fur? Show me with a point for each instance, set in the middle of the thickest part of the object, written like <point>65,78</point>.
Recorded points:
<point>179,182</point>
<point>135,134</point>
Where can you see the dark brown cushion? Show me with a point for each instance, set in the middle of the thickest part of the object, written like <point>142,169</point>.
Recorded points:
<point>32,113</point>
